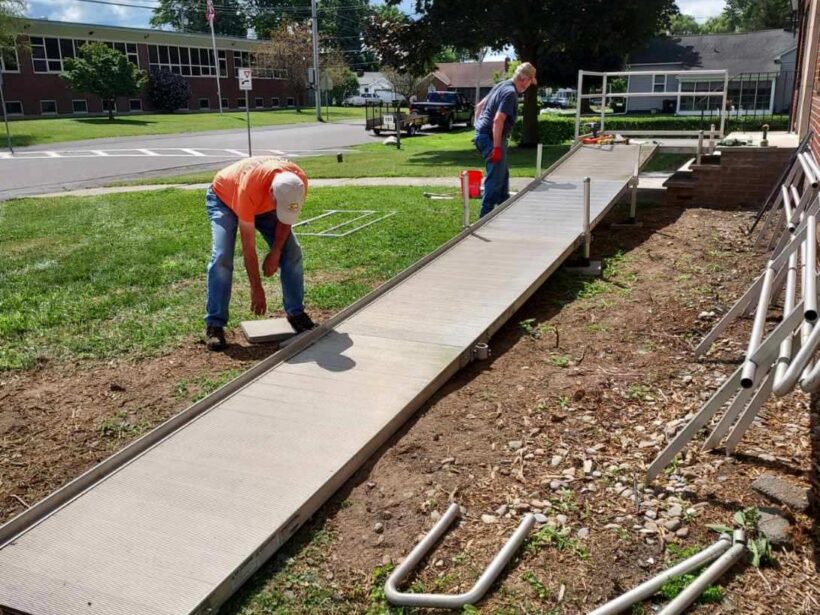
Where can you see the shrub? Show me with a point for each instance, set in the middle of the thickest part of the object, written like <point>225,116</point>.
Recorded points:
<point>167,91</point>
<point>557,129</point>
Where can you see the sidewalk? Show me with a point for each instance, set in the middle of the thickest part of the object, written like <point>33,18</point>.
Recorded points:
<point>648,181</point>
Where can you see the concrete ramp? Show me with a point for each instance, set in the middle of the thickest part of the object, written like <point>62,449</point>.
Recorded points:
<point>177,521</point>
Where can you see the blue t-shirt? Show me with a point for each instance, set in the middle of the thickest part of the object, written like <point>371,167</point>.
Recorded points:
<point>503,97</point>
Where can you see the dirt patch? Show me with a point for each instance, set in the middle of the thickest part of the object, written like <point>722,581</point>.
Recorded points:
<point>586,384</point>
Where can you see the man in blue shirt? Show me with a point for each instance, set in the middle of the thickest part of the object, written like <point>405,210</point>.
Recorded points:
<point>495,116</point>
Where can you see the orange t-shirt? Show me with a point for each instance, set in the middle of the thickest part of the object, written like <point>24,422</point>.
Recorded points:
<point>245,185</point>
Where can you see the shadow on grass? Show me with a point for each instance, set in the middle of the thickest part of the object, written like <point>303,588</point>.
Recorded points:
<point>104,121</point>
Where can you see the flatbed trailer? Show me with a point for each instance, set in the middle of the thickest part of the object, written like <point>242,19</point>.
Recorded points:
<point>380,119</point>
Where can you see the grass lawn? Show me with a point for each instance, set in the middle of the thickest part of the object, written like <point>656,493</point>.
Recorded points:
<point>125,274</point>
<point>56,130</point>
<point>434,154</point>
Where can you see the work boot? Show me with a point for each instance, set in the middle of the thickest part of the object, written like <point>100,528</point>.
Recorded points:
<point>301,322</point>
<point>215,338</point>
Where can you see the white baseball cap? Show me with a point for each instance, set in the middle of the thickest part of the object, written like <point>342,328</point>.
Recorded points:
<point>288,191</point>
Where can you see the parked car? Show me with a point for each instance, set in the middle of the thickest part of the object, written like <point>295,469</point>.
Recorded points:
<point>445,109</point>
<point>562,99</point>
<point>361,100</point>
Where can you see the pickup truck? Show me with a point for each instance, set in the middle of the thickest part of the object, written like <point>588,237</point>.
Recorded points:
<point>445,109</point>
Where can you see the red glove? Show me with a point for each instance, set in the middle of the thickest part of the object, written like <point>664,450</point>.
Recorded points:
<point>495,156</point>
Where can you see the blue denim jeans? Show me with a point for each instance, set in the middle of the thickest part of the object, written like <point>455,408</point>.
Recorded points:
<point>224,225</point>
<point>497,181</point>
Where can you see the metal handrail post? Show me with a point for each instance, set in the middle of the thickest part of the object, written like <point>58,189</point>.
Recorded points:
<point>538,159</point>
<point>587,235</point>
<point>578,100</point>
<point>723,106</point>
<point>465,196</point>
<point>633,205</point>
<point>700,148</point>
<point>712,144</point>
<point>603,104</point>
<point>810,292</point>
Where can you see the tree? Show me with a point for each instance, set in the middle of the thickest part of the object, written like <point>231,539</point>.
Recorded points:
<point>267,16</point>
<point>683,24</point>
<point>105,72</point>
<point>167,91</point>
<point>10,11</point>
<point>341,25</point>
<point>333,66</point>
<point>290,48</point>
<point>406,83</point>
<point>401,43</point>
<point>751,15</point>
<point>557,36</point>
<point>189,16</point>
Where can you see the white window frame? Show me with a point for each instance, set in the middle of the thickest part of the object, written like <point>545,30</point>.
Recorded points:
<point>207,106</point>
<point>74,111</point>
<point>48,100</point>
<point>221,59</point>
<point>226,103</point>
<point>19,102</point>
<point>274,102</point>
<point>681,94</point>
<point>76,50</point>
<point>240,103</point>
<point>654,83</point>
<point>256,102</point>
<point>3,68</point>
<point>291,101</point>
<point>131,109</point>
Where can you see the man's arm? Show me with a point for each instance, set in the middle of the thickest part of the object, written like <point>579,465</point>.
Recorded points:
<point>498,128</point>
<point>271,262</point>
<point>247,234</point>
<point>479,107</point>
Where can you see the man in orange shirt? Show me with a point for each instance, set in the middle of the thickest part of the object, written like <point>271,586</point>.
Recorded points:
<point>264,194</point>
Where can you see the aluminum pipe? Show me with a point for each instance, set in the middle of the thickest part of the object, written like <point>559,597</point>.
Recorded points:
<point>650,587</point>
<point>707,577</point>
<point>456,601</point>
<point>747,377</point>
<point>807,171</point>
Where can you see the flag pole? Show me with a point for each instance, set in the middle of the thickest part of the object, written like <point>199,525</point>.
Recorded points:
<point>209,15</point>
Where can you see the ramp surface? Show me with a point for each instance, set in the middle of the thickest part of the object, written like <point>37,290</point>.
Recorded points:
<point>186,515</point>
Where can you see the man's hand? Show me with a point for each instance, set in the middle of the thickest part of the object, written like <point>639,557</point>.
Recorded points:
<point>495,156</point>
<point>259,304</point>
<point>271,263</point>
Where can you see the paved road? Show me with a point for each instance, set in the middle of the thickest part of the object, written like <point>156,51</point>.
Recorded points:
<point>51,168</point>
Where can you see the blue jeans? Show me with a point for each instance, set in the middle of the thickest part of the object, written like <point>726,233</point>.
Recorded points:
<point>224,225</point>
<point>497,181</point>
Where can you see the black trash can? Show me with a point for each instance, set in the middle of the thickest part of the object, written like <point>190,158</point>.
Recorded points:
<point>669,105</point>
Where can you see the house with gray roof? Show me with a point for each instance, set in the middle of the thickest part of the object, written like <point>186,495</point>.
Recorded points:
<point>761,68</point>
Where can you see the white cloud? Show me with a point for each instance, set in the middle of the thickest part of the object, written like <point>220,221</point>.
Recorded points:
<point>701,10</point>
<point>86,12</point>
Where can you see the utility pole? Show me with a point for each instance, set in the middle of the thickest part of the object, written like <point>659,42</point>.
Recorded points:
<point>316,83</point>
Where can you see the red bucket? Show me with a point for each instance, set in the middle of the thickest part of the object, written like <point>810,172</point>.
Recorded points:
<point>473,183</point>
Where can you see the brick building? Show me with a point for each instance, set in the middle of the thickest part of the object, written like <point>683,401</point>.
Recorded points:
<point>33,87</point>
<point>806,103</point>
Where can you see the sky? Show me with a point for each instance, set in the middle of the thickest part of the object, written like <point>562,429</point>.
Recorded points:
<point>87,12</point>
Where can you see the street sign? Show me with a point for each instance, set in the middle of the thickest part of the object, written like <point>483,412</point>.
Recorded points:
<point>245,78</point>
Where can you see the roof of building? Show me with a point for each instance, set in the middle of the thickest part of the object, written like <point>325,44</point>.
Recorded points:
<point>369,77</point>
<point>747,52</point>
<point>465,74</point>
<point>48,27</point>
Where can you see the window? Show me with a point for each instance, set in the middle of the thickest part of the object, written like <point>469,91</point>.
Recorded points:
<point>699,100</point>
<point>14,107</point>
<point>48,107</point>
<point>245,59</point>
<point>135,104</point>
<point>259,102</point>
<point>204,104</point>
<point>187,61</point>
<point>658,83</point>
<point>79,106</point>
<point>751,92</point>
<point>9,62</point>
<point>274,102</point>
<point>290,101</point>
<point>48,54</point>
<point>240,103</point>
<point>225,103</point>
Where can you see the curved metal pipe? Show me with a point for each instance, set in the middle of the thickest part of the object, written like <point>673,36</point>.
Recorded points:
<point>798,364</point>
<point>747,376</point>
<point>648,588</point>
<point>455,601</point>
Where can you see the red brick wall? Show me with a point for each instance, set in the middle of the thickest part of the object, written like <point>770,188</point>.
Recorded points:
<point>30,88</point>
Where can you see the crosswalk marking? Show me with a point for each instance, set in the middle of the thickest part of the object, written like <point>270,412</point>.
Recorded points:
<point>168,152</point>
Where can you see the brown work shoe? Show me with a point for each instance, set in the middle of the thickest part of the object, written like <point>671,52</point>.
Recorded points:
<point>215,338</point>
